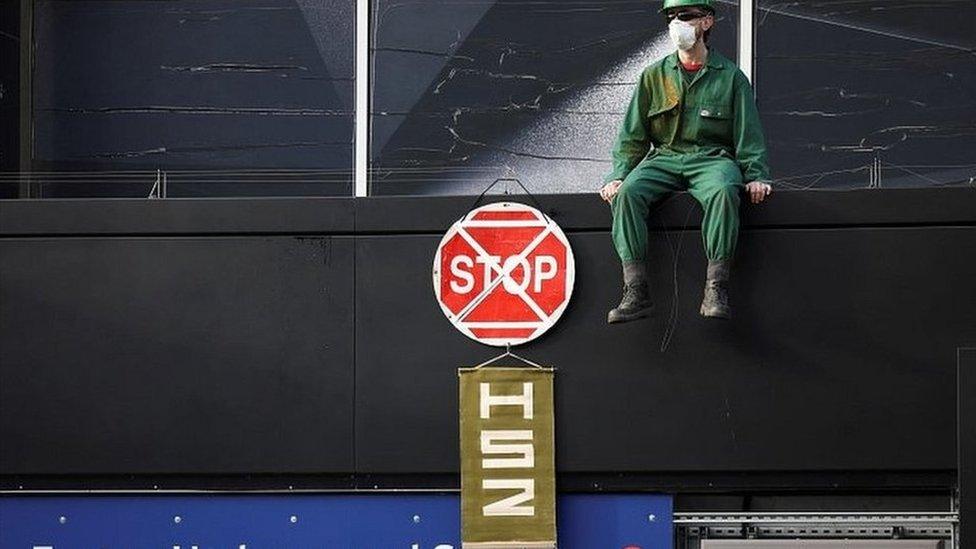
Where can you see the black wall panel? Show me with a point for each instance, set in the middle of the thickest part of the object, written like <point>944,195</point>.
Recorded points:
<point>223,337</point>
<point>261,216</point>
<point>175,355</point>
<point>841,356</point>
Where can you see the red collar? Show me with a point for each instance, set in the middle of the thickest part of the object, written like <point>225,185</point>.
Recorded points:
<point>691,66</point>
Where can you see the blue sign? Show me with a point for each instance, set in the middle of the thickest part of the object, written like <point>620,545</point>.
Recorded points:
<point>339,521</point>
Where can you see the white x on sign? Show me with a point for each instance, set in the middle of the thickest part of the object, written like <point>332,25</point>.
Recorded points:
<point>504,273</point>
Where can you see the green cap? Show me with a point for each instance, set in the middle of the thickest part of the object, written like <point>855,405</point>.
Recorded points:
<point>669,4</point>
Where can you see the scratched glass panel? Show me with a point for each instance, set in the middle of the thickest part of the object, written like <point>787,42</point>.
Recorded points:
<point>868,93</point>
<point>224,98</point>
<point>467,91</point>
<point>9,98</point>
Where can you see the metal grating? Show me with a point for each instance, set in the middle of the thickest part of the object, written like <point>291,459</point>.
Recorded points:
<point>692,529</point>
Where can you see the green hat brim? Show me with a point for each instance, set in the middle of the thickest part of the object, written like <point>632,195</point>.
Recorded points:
<point>707,5</point>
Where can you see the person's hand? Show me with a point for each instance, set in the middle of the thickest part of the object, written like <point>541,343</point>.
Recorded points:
<point>610,190</point>
<point>758,191</point>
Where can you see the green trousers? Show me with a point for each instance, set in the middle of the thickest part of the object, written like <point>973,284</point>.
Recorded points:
<point>715,181</point>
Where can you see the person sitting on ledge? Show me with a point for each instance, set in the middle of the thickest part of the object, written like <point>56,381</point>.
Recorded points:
<point>692,124</point>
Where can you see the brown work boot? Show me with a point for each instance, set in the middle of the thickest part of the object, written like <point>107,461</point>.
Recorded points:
<point>636,302</point>
<point>715,304</point>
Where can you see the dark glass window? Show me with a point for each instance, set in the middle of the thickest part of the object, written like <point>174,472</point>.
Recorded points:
<point>868,93</point>
<point>10,40</point>
<point>225,98</point>
<point>466,92</point>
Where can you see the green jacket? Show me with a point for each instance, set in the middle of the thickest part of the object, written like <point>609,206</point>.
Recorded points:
<point>716,114</point>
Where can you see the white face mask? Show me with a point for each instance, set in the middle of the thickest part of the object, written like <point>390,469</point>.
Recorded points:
<point>682,34</point>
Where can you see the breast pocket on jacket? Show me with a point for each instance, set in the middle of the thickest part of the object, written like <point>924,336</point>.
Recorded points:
<point>714,123</point>
<point>662,119</point>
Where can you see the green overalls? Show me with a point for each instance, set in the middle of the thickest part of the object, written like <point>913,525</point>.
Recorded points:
<point>704,137</point>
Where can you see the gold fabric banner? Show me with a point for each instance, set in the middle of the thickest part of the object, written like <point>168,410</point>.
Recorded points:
<point>508,481</point>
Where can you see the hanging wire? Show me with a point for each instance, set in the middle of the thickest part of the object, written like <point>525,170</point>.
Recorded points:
<point>508,353</point>
<point>516,180</point>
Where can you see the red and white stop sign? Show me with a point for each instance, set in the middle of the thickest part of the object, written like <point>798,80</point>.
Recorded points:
<point>503,274</point>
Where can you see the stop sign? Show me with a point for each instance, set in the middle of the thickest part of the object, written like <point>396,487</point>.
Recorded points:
<point>503,274</point>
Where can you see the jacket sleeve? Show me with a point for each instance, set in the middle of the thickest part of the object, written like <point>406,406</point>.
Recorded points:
<point>633,139</point>
<point>747,133</point>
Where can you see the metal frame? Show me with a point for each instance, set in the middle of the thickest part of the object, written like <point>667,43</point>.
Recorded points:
<point>361,186</point>
<point>747,39</point>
